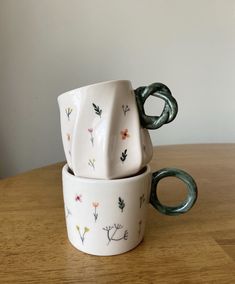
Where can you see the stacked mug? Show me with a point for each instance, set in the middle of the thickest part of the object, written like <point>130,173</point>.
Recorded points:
<point>107,182</point>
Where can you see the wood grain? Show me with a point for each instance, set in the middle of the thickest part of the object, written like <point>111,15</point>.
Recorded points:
<point>198,247</point>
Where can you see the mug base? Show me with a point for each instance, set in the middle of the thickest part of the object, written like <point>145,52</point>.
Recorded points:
<point>100,253</point>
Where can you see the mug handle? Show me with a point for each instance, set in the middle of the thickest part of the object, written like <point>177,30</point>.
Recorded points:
<point>187,204</point>
<point>169,111</point>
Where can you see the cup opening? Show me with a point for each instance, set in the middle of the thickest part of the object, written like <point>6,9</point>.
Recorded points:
<point>94,85</point>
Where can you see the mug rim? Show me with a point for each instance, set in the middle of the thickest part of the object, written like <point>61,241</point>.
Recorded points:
<point>138,176</point>
<point>96,84</point>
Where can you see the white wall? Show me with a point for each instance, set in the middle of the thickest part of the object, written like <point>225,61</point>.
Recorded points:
<point>51,46</point>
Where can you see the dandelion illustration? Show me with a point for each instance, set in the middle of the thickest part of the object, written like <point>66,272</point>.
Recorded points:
<point>95,205</point>
<point>91,163</point>
<point>121,203</point>
<point>82,235</point>
<point>123,156</point>
<point>140,225</point>
<point>90,130</point>
<point>125,109</point>
<point>124,134</point>
<point>142,200</point>
<point>68,111</point>
<point>78,198</point>
<point>112,231</point>
<point>97,109</point>
<point>68,136</point>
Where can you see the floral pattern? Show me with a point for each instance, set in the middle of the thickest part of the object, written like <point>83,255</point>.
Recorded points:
<point>125,109</point>
<point>124,155</point>
<point>112,231</point>
<point>115,232</point>
<point>91,163</point>
<point>97,109</point>
<point>95,205</point>
<point>90,130</point>
<point>68,112</point>
<point>78,198</point>
<point>82,235</point>
<point>124,134</point>
<point>121,203</point>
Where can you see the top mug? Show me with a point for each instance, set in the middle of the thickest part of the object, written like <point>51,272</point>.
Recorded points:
<point>104,127</point>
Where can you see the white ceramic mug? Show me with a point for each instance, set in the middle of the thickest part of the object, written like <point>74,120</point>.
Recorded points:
<point>104,127</point>
<point>108,217</point>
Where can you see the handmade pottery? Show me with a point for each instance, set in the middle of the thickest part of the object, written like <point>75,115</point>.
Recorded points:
<point>104,127</point>
<point>108,217</point>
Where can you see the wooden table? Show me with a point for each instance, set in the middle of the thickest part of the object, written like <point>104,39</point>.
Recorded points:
<point>198,247</point>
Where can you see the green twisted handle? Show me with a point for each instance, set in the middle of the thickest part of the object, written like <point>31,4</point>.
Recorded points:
<point>169,111</point>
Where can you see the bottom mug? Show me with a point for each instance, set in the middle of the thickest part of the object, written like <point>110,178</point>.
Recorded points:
<point>108,217</point>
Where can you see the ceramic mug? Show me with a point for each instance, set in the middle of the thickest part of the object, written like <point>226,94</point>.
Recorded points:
<point>104,127</point>
<point>108,217</point>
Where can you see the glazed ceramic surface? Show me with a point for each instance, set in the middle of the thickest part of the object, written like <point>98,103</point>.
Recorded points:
<point>68,114</point>
<point>108,217</point>
<point>103,127</point>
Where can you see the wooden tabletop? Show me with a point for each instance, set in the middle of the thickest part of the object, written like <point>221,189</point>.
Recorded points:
<point>198,247</point>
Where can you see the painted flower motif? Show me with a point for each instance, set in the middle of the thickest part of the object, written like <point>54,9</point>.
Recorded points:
<point>125,109</point>
<point>123,156</point>
<point>86,229</point>
<point>68,112</point>
<point>90,130</point>
<point>124,134</point>
<point>97,109</point>
<point>112,233</point>
<point>82,235</point>
<point>121,203</point>
<point>95,204</point>
<point>78,197</point>
<point>91,163</point>
<point>68,137</point>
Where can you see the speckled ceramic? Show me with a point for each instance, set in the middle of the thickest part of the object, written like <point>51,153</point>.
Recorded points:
<point>108,217</point>
<point>104,127</point>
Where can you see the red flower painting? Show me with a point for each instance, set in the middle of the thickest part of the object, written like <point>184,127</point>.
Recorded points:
<point>124,134</point>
